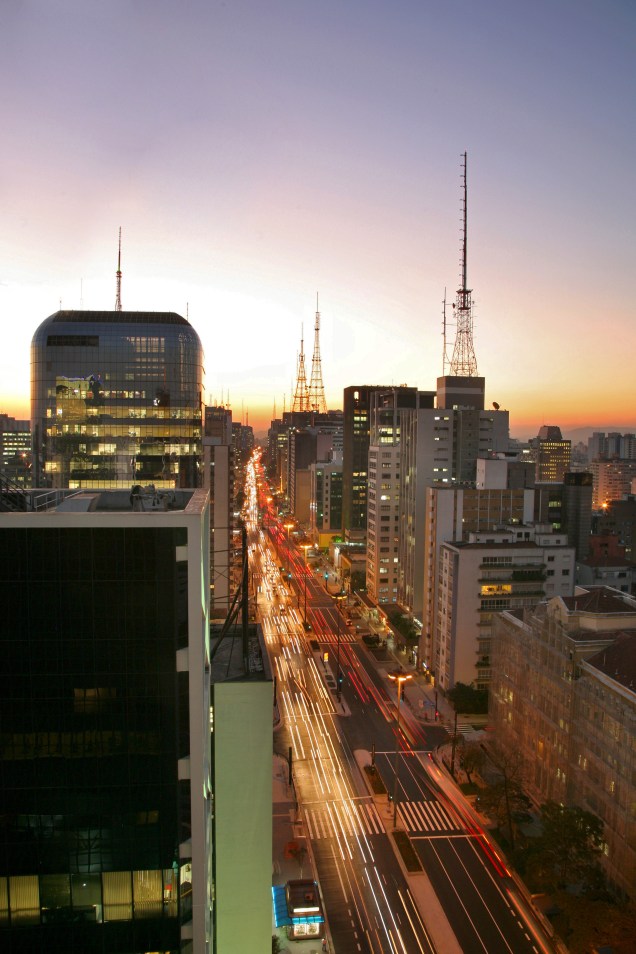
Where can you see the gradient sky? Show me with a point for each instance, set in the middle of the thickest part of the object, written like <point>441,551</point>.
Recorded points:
<point>257,152</point>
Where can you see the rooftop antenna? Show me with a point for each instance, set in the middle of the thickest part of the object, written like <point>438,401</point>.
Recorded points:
<point>81,293</point>
<point>118,296</point>
<point>463,362</point>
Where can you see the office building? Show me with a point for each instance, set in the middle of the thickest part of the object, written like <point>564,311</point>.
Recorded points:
<point>355,455</point>
<point>551,455</point>
<point>116,399</point>
<point>619,517</point>
<point>492,571</point>
<point>562,698</point>
<point>15,450</point>
<point>105,843</point>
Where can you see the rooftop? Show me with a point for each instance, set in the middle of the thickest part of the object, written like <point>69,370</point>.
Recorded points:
<point>618,661</point>
<point>121,317</point>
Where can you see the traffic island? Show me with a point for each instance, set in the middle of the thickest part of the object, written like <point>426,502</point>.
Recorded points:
<point>407,851</point>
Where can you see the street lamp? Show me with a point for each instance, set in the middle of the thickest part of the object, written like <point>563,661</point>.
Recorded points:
<point>288,527</point>
<point>337,598</point>
<point>305,547</point>
<point>400,677</point>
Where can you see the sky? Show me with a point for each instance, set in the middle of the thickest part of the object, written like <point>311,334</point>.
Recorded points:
<point>257,152</point>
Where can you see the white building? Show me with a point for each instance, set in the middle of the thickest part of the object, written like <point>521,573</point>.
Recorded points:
<point>492,572</point>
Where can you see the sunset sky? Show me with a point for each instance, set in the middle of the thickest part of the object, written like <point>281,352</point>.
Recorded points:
<point>255,153</point>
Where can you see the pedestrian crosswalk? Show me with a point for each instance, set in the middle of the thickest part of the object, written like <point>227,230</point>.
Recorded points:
<point>429,816</point>
<point>363,818</point>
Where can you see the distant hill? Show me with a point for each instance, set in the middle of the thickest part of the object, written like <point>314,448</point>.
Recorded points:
<point>584,433</point>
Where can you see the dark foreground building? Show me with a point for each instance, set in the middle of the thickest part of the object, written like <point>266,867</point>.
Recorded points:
<point>105,781</point>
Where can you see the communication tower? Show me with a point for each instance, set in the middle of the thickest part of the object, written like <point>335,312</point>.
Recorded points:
<point>317,402</point>
<point>463,362</point>
<point>301,394</point>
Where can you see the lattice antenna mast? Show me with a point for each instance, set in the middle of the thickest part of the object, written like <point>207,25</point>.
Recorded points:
<point>317,402</point>
<point>301,393</point>
<point>463,362</point>
<point>118,295</point>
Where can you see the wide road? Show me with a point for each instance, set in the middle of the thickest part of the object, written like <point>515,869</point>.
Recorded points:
<point>369,904</point>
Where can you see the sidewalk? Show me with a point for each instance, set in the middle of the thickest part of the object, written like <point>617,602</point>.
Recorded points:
<point>286,828</point>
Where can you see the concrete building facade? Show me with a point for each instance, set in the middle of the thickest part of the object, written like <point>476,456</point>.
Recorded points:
<point>493,571</point>
<point>562,697</point>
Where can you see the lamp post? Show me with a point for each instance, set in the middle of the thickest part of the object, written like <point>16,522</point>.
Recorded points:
<point>305,547</point>
<point>288,527</point>
<point>337,598</point>
<point>400,677</point>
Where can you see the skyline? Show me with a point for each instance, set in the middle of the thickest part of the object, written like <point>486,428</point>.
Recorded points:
<point>255,156</point>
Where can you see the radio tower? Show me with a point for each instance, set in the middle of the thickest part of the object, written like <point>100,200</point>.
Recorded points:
<point>301,394</point>
<point>463,362</point>
<point>118,296</point>
<point>317,402</point>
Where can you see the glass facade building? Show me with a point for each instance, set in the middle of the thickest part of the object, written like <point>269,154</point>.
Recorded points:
<point>103,775</point>
<point>116,399</point>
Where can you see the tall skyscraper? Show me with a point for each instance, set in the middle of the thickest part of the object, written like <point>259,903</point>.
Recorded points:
<point>105,778</point>
<point>355,453</point>
<point>116,399</point>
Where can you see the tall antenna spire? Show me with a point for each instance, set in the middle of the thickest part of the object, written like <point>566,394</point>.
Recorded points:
<point>118,296</point>
<point>317,400</point>
<point>301,394</point>
<point>463,362</point>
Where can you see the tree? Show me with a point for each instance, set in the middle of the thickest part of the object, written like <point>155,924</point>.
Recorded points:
<point>466,698</point>
<point>568,848</point>
<point>471,758</point>
<point>504,793</point>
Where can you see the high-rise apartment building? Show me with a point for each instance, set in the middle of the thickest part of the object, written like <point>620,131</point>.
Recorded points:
<point>562,698</point>
<point>612,479</point>
<point>452,514</point>
<point>105,780</point>
<point>325,500</point>
<point>383,512</point>
<point>116,399</point>
<point>439,447</point>
<point>493,571</point>
<point>355,455</point>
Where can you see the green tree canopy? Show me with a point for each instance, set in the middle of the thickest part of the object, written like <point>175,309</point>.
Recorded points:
<point>468,699</point>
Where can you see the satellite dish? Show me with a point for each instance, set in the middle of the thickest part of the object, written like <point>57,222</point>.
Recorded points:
<point>495,405</point>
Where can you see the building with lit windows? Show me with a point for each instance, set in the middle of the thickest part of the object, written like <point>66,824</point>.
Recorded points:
<point>357,411</point>
<point>116,399</point>
<point>551,455</point>
<point>383,511</point>
<point>325,500</point>
<point>612,479</point>
<point>15,450</point>
<point>105,772</point>
<point>562,698</point>
<point>492,571</point>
